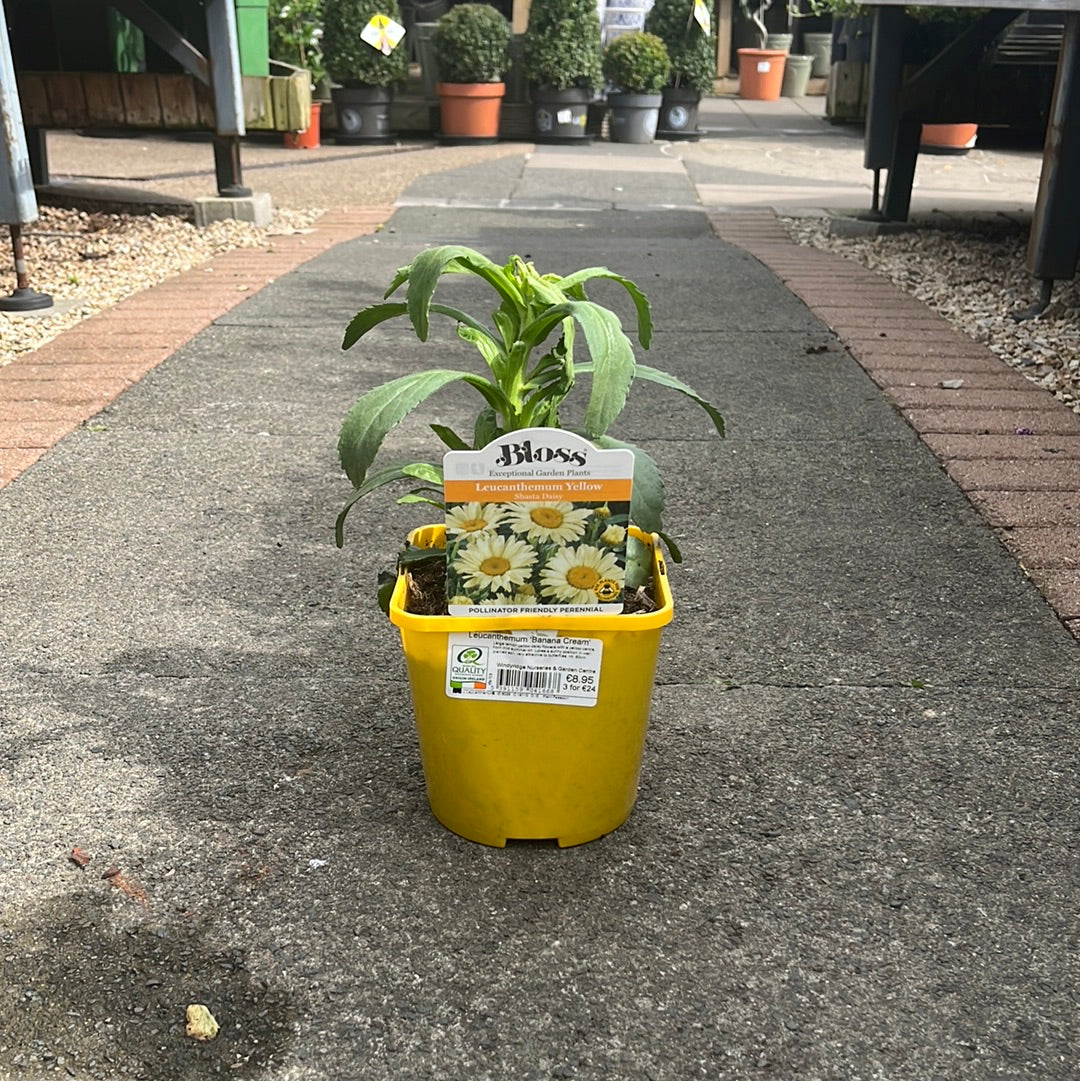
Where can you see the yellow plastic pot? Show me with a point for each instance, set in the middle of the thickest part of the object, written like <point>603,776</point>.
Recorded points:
<point>514,770</point>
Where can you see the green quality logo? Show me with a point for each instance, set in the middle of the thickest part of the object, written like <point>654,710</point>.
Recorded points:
<point>470,655</point>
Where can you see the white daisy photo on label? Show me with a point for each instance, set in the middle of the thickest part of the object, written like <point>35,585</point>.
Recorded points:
<point>558,521</point>
<point>473,518</point>
<point>494,563</point>
<point>579,575</point>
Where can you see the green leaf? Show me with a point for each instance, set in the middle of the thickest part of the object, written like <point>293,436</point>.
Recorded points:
<point>647,495</point>
<point>429,266</point>
<point>672,547</point>
<point>491,350</point>
<point>370,317</point>
<point>387,581</point>
<point>378,411</point>
<point>413,471</point>
<point>449,437</point>
<point>416,497</point>
<point>433,474</point>
<point>638,563</point>
<point>486,428</point>
<point>613,365</point>
<point>641,301</point>
<point>654,375</point>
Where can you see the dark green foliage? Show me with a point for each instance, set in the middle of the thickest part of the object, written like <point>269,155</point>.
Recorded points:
<point>563,45</point>
<point>349,59</point>
<point>472,44</point>
<point>637,63</point>
<point>692,51</point>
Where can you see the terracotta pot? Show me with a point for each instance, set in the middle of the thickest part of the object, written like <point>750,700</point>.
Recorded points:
<point>308,139</point>
<point>761,73</point>
<point>948,138</point>
<point>470,111</point>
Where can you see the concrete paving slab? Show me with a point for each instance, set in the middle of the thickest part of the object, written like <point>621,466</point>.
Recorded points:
<point>850,852</point>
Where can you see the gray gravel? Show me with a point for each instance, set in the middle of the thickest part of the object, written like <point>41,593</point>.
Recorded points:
<point>972,270</point>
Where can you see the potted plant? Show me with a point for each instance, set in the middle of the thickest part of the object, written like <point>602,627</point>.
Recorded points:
<point>561,59</point>
<point>532,766</point>
<point>365,61</point>
<point>761,69</point>
<point>295,38</point>
<point>933,29</point>
<point>691,44</point>
<point>638,65</point>
<point>472,50</point>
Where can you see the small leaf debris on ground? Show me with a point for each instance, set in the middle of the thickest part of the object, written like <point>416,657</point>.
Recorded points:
<point>80,857</point>
<point>952,384</point>
<point>201,1024</point>
<point>127,886</point>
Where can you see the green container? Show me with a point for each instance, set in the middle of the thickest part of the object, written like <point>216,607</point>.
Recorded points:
<point>253,36</point>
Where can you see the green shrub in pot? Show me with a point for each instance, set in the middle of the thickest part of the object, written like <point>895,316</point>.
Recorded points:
<point>637,63</point>
<point>562,47</point>
<point>692,51</point>
<point>350,60</point>
<point>472,44</point>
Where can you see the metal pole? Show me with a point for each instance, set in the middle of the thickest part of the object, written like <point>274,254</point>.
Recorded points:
<point>18,204</point>
<point>228,92</point>
<point>23,299</point>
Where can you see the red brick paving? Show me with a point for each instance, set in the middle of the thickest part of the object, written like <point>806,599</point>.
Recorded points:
<point>46,394</point>
<point>1010,446</point>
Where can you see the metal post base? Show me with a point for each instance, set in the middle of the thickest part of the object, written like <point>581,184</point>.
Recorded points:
<point>1046,288</point>
<point>25,300</point>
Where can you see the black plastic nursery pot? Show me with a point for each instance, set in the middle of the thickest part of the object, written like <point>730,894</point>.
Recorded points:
<point>634,117</point>
<point>561,116</point>
<point>678,113</point>
<point>363,114</point>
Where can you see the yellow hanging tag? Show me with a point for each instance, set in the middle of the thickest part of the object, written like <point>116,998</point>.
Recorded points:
<point>383,33</point>
<point>701,14</point>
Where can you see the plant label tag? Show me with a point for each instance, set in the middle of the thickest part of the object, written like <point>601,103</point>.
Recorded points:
<point>536,521</point>
<point>383,33</point>
<point>764,66</point>
<point>524,668</point>
<point>702,16</point>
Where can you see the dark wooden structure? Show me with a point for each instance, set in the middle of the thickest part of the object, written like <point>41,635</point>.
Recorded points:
<point>940,90</point>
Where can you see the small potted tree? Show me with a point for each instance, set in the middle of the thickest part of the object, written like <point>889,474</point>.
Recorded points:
<point>691,44</point>
<point>561,58</point>
<point>761,69</point>
<point>637,65</point>
<point>472,50</point>
<point>365,62</point>
<point>512,757</point>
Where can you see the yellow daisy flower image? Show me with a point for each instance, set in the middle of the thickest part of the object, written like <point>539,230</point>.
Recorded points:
<point>573,574</point>
<point>472,518</point>
<point>495,563</point>
<point>560,522</point>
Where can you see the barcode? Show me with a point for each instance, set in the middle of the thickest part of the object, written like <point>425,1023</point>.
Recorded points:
<point>527,679</point>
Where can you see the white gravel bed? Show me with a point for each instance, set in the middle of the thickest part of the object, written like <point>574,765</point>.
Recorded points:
<point>88,261</point>
<point>974,274</point>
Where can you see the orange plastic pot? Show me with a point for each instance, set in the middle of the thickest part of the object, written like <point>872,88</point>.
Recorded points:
<point>308,139</point>
<point>948,138</point>
<point>761,73</point>
<point>470,111</point>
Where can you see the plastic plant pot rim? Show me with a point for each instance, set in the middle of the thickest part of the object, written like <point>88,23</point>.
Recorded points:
<point>434,536</point>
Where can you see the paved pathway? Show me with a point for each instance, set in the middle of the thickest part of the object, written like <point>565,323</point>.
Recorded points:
<point>852,855</point>
<point>1010,446</point>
